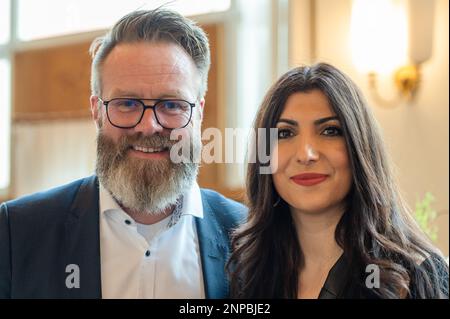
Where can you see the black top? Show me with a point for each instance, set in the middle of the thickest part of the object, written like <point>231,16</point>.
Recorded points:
<point>343,282</point>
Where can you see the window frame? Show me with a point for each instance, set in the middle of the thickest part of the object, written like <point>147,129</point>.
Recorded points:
<point>75,15</point>
<point>6,53</point>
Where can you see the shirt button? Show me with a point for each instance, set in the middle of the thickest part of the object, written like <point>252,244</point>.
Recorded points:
<point>128,222</point>
<point>147,253</point>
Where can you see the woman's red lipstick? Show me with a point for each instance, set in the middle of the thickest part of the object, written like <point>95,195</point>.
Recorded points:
<point>309,179</point>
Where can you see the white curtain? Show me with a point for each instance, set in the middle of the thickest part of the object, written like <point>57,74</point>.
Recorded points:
<point>51,153</point>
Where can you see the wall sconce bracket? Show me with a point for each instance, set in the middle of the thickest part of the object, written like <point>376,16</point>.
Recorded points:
<point>407,80</point>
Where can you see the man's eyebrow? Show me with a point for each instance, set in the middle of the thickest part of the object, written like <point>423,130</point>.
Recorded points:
<point>123,93</point>
<point>170,96</point>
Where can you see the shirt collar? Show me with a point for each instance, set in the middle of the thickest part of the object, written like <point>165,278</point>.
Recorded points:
<point>192,201</point>
<point>107,202</point>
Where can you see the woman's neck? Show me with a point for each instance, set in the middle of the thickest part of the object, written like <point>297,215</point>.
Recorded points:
<point>316,236</point>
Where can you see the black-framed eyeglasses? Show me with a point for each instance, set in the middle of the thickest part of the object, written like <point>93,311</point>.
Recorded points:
<point>128,112</point>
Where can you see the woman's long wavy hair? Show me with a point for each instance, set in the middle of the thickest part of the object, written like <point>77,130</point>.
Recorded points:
<point>377,227</point>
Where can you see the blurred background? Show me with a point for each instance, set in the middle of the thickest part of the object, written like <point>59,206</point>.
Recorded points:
<point>397,51</point>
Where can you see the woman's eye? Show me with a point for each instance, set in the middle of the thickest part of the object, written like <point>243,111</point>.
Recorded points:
<point>284,133</point>
<point>332,131</point>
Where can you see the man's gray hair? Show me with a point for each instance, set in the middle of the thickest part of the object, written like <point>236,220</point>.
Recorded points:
<point>159,25</point>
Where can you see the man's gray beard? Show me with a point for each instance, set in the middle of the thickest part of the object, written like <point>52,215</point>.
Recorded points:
<point>144,186</point>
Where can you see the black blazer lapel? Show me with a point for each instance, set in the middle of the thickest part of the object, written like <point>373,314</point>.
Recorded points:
<point>214,250</point>
<point>82,241</point>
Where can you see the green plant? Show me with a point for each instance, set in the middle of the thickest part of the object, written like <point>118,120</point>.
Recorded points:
<point>425,216</point>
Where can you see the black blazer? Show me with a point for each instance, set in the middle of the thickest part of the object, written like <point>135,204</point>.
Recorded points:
<point>43,233</point>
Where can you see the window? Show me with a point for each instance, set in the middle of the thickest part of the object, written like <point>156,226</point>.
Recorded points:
<point>72,16</point>
<point>5,93</point>
<point>4,21</point>
<point>5,89</point>
<point>258,43</point>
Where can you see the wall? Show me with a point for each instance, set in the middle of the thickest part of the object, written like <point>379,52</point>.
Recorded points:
<point>417,134</point>
<point>53,136</point>
<point>48,153</point>
<point>52,82</point>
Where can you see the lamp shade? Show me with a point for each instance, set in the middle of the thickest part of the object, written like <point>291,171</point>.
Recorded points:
<point>379,35</point>
<point>421,25</point>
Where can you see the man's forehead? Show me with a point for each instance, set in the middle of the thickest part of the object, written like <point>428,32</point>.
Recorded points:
<point>149,60</point>
<point>167,54</point>
<point>149,70</point>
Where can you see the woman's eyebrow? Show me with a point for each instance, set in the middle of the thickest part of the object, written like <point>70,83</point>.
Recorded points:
<point>325,119</point>
<point>288,121</point>
<point>316,122</point>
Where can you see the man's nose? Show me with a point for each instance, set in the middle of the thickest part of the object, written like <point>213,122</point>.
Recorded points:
<point>148,124</point>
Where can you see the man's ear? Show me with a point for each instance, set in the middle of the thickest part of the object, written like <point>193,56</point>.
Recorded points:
<point>201,106</point>
<point>95,109</point>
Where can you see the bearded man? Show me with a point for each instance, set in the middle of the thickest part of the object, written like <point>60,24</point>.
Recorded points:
<point>141,227</point>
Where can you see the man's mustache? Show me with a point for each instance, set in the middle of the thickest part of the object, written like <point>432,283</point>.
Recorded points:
<point>154,141</point>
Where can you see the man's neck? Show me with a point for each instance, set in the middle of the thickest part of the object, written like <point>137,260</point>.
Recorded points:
<point>148,218</point>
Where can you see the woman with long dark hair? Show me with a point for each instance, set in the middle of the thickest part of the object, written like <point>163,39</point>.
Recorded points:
<point>329,222</point>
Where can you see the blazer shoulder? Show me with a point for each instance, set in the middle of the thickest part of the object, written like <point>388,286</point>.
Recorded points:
<point>52,200</point>
<point>228,211</point>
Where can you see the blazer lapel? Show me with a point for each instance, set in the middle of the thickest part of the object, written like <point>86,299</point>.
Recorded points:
<point>214,250</point>
<point>82,241</point>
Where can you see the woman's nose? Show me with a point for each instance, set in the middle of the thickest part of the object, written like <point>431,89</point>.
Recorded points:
<point>307,152</point>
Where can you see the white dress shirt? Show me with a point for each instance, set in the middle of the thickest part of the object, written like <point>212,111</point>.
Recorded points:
<point>151,261</point>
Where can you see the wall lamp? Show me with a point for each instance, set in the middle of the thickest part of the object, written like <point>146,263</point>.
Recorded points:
<point>392,38</point>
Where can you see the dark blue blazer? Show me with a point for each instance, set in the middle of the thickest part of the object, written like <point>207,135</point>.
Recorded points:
<point>43,233</point>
